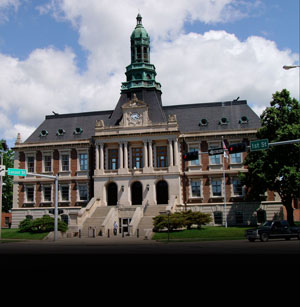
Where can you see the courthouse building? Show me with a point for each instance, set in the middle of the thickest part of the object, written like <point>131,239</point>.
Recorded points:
<point>126,164</point>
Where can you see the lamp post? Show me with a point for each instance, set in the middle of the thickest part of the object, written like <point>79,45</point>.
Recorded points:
<point>2,151</point>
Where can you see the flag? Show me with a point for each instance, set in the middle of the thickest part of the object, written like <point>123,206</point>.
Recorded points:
<point>225,150</point>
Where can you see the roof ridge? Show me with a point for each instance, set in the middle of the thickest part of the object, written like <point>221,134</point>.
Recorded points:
<point>81,114</point>
<point>207,104</point>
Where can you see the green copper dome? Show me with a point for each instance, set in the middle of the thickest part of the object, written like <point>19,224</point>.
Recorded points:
<point>139,32</point>
<point>140,73</point>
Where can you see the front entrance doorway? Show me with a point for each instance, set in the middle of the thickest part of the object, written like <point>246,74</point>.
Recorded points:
<point>112,194</point>
<point>136,193</point>
<point>162,193</point>
<point>124,225</point>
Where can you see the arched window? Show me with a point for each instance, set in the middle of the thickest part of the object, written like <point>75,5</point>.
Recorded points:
<point>112,194</point>
<point>162,192</point>
<point>136,193</point>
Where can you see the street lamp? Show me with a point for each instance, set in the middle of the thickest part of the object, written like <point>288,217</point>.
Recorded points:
<point>287,67</point>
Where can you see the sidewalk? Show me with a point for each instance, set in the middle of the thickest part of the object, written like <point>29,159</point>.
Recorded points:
<point>113,240</point>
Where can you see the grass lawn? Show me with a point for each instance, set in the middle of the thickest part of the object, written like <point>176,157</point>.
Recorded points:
<point>15,234</point>
<point>206,233</point>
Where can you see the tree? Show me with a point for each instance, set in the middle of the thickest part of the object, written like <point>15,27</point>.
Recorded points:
<point>7,191</point>
<point>278,168</point>
<point>42,224</point>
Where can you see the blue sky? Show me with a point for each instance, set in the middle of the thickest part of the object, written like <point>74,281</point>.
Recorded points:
<point>70,55</point>
<point>28,29</point>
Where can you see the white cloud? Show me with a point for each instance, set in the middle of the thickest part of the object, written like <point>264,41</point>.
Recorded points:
<point>217,66</point>
<point>5,6</point>
<point>192,68</point>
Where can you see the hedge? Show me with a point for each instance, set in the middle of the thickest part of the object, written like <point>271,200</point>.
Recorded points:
<point>179,220</point>
<point>43,224</point>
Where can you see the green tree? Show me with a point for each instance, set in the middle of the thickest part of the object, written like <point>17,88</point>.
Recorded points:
<point>42,224</point>
<point>278,168</point>
<point>7,192</point>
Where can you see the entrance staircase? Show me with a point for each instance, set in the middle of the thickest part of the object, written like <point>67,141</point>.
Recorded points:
<point>95,221</point>
<point>146,223</point>
<point>94,224</point>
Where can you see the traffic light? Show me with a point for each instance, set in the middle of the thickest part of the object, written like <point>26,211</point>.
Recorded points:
<point>236,148</point>
<point>189,156</point>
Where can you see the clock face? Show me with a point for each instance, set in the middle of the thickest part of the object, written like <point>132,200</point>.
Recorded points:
<point>135,116</point>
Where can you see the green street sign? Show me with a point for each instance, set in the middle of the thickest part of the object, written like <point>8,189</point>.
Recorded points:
<point>16,172</point>
<point>259,145</point>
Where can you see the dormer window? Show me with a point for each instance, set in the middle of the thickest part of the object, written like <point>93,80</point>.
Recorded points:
<point>223,121</point>
<point>77,131</point>
<point>43,133</point>
<point>60,131</point>
<point>203,122</point>
<point>244,120</point>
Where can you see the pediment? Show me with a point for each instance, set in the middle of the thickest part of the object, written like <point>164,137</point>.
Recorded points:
<point>134,103</point>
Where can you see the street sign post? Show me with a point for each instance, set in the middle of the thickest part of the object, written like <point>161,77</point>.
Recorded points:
<point>16,172</point>
<point>259,145</point>
<point>215,151</point>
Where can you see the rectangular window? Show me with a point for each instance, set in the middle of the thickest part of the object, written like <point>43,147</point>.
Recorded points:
<point>83,192</point>
<point>214,160</point>
<point>218,217</point>
<point>237,187</point>
<point>65,162</point>
<point>216,185</point>
<point>196,188</point>
<point>30,194</point>
<point>47,163</point>
<point>113,159</point>
<point>83,161</point>
<point>194,162</point>
<point>236,158</point>
<point>239,218</point>
<point>30,164</point>
<point>47,193</point>
<point>137,157</point>
<point>161,156</point>
<point>65,193</point>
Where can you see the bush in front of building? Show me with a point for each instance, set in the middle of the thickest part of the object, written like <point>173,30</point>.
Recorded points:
<point>179,220</point>
<point>43,224</point>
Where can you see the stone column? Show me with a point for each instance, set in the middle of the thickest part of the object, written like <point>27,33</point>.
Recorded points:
<point>176,162</point>
<point>171,162</point>
<point>150,155</point>
<point>120,155</point>
<point>102,156</point>
<point>126,155</point>
<point>145,155</point>
<point>97,156</point>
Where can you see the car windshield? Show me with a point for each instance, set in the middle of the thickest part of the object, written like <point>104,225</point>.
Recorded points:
<point>267,224</point>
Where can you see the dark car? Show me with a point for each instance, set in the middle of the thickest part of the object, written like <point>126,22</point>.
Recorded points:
<point>273,230</point>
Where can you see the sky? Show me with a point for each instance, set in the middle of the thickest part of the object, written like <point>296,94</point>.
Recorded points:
<point>70,56</point>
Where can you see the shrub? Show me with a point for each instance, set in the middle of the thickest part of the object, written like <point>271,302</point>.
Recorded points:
<point>43,224</point>
<point>179,220</point>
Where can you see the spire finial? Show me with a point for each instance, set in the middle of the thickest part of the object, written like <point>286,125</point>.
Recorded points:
<point>139,19</point>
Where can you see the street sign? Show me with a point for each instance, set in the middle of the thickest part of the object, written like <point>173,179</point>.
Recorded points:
<point>215,151</point>
<point>16,172</point>
<point>2,170</point>
<point>259,145</point>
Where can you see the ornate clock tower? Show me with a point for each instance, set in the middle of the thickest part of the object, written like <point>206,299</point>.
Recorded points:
<point>140,73</point>
<point>140,85</point>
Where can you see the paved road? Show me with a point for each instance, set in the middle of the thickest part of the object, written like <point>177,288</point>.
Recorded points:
<point>133,246</point>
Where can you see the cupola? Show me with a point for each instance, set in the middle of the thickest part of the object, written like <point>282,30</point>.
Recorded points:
<point>140,73</point>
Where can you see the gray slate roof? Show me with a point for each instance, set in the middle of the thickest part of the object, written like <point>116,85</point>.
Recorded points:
<point>188,116</point>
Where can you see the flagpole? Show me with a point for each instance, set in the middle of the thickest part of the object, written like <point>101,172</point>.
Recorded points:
<point>224,180</point>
